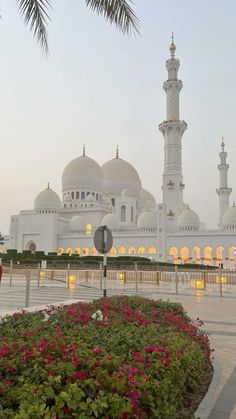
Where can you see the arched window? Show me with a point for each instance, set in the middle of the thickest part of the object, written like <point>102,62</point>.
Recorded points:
<point>69,251</point>
<point>123,213</point>
<point>96,196</point>
<point>88,229</point>
<point>113,201</point>
<point>132,214</point>
<point>77,195</point>
<point>83,195</point>
<point>72,195</point>
<point>60,250</point>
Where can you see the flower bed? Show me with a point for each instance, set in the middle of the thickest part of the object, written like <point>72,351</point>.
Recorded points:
<point>119,357</point>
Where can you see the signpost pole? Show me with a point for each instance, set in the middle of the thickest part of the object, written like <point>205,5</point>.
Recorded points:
<point>104,275</point>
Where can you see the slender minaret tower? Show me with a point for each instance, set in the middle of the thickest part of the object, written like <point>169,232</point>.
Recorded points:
<point>223,191</point>
<point>172,130</point>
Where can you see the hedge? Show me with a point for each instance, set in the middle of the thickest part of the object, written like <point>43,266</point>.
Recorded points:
<point>118,357</point>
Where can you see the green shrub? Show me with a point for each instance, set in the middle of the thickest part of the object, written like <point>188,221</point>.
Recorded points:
<point>119,357</point>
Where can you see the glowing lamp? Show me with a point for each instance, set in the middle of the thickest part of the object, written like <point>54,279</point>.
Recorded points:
<point>121,276</point>
<point>223,280</point>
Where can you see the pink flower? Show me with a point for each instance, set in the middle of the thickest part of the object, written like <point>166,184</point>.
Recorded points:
<point>154,348</point>
<point>96,351</point>
<point>4,351</point>
<point>79,375</point>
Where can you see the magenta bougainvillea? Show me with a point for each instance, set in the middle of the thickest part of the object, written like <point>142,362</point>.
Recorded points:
<point>118,357</point>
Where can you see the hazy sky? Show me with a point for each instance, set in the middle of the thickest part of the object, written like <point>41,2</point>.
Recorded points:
<point>100,88</point>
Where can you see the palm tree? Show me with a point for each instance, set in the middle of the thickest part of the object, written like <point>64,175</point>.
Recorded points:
<point>117,12</point>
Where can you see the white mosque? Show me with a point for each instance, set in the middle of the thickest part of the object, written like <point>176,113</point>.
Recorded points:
<point>112,195</point>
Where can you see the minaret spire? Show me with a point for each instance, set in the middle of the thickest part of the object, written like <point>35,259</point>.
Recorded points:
<point>117,152</point>
<point>172,129</point>
<point>172,46</point>
<point>223,191</point>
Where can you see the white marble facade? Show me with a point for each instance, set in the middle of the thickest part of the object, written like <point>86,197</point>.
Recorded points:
<point>112,195</point>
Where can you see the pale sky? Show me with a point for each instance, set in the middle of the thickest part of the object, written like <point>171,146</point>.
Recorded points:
<point>100,88</point>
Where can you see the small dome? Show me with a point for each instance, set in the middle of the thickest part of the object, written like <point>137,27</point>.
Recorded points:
<point>119,175</point>
<point>47,200</point>
<point>147,219</point>
<point>83,172</point>
<point>111,221</point>
<point>146,199</point>
<point>126,192</point>
<point>76,223</point>
<point>229,217</point>
<point>90,198</point>
<point>188,220</point>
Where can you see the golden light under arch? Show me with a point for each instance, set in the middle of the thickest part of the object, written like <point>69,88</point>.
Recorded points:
<point>184,253</point>
<point>88,229</point>
<point>152,250</point>
<point>141,250</point>
<point>122,250</point>
<point>173,251</point>
<point>131,250</point>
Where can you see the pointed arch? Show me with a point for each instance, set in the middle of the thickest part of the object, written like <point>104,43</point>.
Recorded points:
<point>196,254</point>
<point>131,250</point>
<point>152,250</point>
<point>184,253</point>
<point>141,250</point>
<point>173,251</point>
<point>122,250</point>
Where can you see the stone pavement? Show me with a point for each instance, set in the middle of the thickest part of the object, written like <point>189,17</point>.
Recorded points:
<point>218,314</point>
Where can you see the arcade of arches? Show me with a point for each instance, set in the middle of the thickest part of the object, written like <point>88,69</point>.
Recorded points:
<point>131,250</point>
<point>206,255</point>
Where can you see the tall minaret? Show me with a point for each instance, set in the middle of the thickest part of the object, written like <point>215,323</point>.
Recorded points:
<point>223,191</point>
<point>172,130</point>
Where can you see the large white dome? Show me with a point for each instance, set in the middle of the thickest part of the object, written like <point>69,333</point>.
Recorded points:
<point>229,217</point>
<point>147,219</point>
<point>47,200</point>
<point>111,221</point>
<point>76,223</point>
<point>83,173</point>
<point>146,199</point>
<point>119,175</point>
<point>188,220</point>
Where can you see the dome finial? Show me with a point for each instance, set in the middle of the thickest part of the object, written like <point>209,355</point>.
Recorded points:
<point>222,143</point>
<point>83,150</point>
<point>172,46</point>
<point>117,152</point>
<point>48,185</point>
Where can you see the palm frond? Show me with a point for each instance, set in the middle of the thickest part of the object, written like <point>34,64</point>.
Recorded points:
<point>35,14</point>
<point>117,12</point>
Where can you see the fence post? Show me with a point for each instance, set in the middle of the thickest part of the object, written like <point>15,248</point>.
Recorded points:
<point>204,279</point>
<point>101,274</point>
<point>176,279</point>
<point>38,275</point>
<point>220,278</point>
<point>27,291</point>
<point>11,273</point>
<point>68,275</point>
<point>136,276</point>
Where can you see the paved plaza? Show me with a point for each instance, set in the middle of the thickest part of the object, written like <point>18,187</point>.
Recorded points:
<point>218,314</point>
